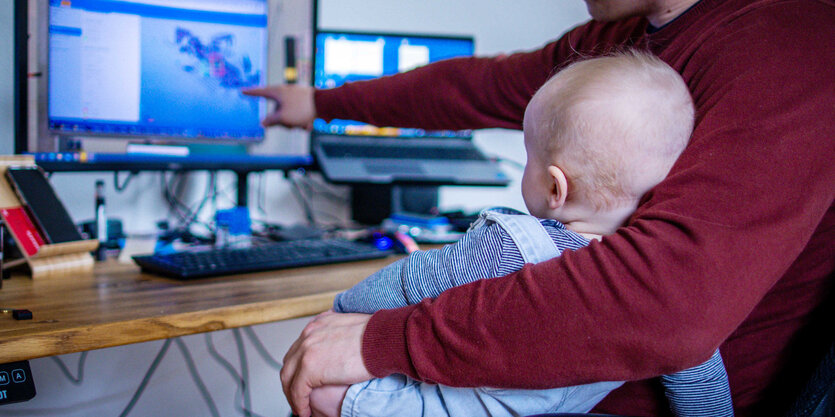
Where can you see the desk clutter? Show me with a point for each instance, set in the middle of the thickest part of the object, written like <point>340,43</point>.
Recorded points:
<point>236,248</point>
<point>47,240</point>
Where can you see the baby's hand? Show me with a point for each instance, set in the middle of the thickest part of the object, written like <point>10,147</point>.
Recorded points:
<point>326,401</point>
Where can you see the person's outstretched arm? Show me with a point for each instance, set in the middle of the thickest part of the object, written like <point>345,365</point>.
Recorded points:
<point>485,252</point>
<point>423,97</point>
<point>459,93</point>
<point>464,93</point>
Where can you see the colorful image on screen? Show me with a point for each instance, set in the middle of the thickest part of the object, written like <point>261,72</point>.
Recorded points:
<point>171,69</point>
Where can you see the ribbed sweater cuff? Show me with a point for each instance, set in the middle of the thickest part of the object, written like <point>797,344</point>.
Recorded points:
<point>384,347</point>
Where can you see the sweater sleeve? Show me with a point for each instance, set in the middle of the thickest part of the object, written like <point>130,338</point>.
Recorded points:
<point>702,251</point>
<point>406,100</point>
<point>479,254</point>
<point>459,93</point>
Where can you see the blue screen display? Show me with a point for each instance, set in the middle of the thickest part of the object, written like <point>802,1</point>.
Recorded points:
<point>157,68</point>
<point>342,57</point>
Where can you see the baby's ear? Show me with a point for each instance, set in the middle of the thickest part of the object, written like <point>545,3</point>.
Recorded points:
<point>559,187</point>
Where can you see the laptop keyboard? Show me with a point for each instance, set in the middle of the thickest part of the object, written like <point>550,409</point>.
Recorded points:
<point>333,150</point>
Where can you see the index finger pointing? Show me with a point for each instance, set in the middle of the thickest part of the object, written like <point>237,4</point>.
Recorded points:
<point>258,92</point>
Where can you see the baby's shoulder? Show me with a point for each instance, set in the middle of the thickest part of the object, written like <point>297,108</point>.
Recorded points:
<point>506,223</point>
<point>506,217</point>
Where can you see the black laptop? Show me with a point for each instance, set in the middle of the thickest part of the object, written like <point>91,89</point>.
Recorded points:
<point>353,152</point>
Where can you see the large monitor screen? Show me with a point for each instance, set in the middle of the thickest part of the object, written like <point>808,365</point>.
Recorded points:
<point>341,57</point>
<point>170,69</point>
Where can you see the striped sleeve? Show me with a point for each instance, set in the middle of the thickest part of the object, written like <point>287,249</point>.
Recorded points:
<point>481,253</point>
<point>700,391</point>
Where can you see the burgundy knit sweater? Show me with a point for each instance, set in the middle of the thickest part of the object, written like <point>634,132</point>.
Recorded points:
<point>735,248</point>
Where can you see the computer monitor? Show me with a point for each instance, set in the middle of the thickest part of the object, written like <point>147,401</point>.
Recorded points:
<point>133,73</point>
<point>344,56</point>
<point>160,69</point>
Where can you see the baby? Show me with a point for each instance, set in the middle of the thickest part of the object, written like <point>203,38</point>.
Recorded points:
<point>598,135</point>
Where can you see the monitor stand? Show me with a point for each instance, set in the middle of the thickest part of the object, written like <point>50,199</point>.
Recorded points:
<point>370,204</point>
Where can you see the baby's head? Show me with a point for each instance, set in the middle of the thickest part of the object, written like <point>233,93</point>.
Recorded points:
<point>600,134</point>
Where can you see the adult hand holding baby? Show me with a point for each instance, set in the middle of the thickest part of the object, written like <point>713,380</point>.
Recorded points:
<point>328,352</point>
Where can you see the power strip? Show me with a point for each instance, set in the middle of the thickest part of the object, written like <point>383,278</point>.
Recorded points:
<point>16,383</point>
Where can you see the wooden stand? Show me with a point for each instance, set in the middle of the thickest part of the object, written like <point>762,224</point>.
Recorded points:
<point>50,260</point>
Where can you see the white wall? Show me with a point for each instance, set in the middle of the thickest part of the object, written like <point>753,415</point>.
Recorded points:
<point>112,375</point>
<point>6,77</point>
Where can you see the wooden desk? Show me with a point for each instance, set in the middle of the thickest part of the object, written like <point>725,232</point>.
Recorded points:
<point>118,305</point>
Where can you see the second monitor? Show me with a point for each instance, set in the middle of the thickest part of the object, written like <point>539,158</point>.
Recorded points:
<point>358,153</point>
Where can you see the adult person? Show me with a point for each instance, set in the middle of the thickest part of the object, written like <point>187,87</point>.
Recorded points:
<point>734,248</point>
<point>588,162</point>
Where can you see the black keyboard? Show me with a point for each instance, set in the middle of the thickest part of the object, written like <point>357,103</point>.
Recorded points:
<point>276,255</point>
<point>400,152</point>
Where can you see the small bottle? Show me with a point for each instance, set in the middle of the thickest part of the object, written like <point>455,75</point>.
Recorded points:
<point>101,222</point>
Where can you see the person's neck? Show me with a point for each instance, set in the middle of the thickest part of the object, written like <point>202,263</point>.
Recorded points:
<point>667,10</point>
<point>594,224</point>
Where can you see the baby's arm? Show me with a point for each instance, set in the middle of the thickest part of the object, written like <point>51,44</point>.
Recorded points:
<point>326,401</point>
<point>378,291</point>
<point>428,273</point>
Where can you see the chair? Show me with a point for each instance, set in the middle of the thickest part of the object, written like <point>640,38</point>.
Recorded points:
<point>818,396</point>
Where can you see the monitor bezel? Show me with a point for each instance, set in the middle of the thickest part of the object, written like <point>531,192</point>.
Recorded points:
<point>391,34</point>
<point>44,129</point>
<point>21,75</point>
